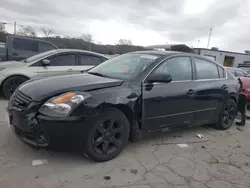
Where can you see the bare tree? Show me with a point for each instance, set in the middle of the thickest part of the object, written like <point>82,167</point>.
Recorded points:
<point>87,38</point>
<point>27,31</point>
<point>2,27</point>
<point>47,31</point>
<point>125,42</point>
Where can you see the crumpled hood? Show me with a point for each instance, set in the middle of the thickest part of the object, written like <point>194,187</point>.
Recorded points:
<point>41,89</point>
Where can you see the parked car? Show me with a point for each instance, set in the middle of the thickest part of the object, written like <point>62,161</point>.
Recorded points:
<point>124,98</point>
<point>18,48</point>
<point>244,76</point>
<point>50,63</point>
<point>247,70</point>
<point>238,72</point>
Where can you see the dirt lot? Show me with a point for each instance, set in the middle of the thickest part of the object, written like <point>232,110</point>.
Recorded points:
<point>220,160</point>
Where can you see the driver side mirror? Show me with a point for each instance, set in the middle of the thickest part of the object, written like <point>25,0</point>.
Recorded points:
<point>45,62</point>
<point>159,77</point>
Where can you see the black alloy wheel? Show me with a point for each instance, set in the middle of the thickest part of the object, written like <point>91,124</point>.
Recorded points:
<point>227,116</point>
<point>11,84</point>
<point>106,135</point>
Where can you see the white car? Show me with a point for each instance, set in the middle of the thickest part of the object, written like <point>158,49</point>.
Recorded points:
<point>50,63</point>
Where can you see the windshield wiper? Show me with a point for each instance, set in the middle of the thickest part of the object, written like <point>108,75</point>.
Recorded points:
<point>96,73</point>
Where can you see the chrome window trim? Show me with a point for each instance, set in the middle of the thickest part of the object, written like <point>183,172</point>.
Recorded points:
<point>181,81</point>
<point>212,79</point>
<point>200,80</point>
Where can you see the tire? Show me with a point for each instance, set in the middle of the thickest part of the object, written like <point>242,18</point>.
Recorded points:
<point>248,112</point>
<point>107,130</point>
<point>227,115</point>
<point>11,84</point>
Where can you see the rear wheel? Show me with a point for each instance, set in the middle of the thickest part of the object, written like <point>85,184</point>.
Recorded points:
<point>107,135</point>
<point>248,112</point>
<point>11,84</point>
<point>227,116</point>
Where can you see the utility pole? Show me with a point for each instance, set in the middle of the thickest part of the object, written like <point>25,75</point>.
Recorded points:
<point>14,28</point>
<point>209,36</point>
<point>198,43</point>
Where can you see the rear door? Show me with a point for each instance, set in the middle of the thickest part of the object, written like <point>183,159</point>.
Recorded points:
<point>210,91</point>
<point>88,61</point>
<point>60,64</point>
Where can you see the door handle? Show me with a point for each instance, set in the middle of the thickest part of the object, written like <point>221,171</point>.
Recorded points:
<point>224,86</point>
<point>190,92</point>
<point>70,70</point>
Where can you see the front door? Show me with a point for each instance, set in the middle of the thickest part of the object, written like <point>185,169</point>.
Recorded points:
<point>60,64</point>
<point>169,104</point>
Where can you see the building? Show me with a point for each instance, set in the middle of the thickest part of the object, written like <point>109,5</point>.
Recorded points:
<point>226,58</point>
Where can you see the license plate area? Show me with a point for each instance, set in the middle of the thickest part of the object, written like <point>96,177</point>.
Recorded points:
<point>19,120</point>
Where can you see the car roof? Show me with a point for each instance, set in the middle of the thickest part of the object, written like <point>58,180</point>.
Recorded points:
<point>172,47</point>
<point>157,52</point>
<point>77,50</point>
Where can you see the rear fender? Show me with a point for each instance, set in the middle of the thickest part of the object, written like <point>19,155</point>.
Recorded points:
<point>242,103</point>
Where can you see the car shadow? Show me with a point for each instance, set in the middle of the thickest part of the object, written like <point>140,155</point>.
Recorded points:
<point>180,136</point>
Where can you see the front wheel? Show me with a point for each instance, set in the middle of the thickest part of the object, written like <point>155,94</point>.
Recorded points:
<point>227,115</point>
<point>11,84</point>
<point>107,135</point>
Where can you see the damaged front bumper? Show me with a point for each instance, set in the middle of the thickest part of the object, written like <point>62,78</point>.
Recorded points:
<point>42,131</point>
<point>29,138</point>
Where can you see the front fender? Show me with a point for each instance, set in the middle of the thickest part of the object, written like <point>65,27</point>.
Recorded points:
<point>101,100</point>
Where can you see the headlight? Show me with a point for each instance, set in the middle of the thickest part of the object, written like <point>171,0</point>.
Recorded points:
<point>247,89</point>
<point>63,105</point>
<point>2,68</point>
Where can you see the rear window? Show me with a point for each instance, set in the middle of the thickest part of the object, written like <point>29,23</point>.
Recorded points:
<point>25,45</point>
<point>44,46</point>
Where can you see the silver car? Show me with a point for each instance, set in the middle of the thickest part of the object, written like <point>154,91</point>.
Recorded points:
<point>50,63</point>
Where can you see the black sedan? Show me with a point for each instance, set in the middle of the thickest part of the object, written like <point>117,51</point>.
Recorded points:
<point>123,99</point>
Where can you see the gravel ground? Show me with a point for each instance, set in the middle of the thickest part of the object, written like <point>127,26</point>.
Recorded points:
<point>219,160</point>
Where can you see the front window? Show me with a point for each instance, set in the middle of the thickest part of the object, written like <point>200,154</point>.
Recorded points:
<point>179,68</point>
<point>125,66</point>
<point>39,56</point>
<point>63,60</point>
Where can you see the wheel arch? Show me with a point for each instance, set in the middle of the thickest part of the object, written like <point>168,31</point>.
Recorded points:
<point>127,111</point>
<point>21,75</point>
<point>11,76</point>
<point>233,97</point>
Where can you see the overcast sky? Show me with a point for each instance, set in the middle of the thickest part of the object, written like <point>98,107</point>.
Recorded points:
<point>144,22</point>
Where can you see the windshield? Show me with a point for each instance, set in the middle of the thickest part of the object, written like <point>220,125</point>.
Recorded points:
<point>125,66</point>
<point>38,56</point>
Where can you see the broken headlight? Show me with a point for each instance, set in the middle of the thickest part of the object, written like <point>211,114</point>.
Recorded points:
<point>63,105</point>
